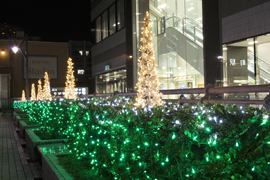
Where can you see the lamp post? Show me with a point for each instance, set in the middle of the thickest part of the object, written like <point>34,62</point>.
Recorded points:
<point>15,49</point>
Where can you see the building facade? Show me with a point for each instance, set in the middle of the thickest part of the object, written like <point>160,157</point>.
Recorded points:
<point>246,41</point>
<point>80,52</point>
<point>196,42</point>
<point>42,56</point>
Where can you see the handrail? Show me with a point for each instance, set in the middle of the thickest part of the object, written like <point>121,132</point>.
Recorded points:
<point>239,89</point>
<point>208,91</point>
<point>188,26</point>
<point>183,91</point>
<point>198,24</point>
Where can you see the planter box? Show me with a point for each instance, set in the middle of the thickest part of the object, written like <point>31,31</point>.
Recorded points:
<point>57,148</point>
<point>32,141</point>
<point>14,116</point>
<point>17,110</point>
<point>52,170</point>
<point>17,121</point>
<point>23,126</point>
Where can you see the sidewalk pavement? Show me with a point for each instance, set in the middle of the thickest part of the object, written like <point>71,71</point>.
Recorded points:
<point>14,163</point>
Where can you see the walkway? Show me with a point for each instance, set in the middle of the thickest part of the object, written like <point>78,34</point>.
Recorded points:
<point>13,159</point>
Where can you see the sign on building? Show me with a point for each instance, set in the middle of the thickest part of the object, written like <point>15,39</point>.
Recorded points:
<point>38,65</point>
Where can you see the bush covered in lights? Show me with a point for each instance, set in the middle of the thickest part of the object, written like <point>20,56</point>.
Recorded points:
<point>120,141</point>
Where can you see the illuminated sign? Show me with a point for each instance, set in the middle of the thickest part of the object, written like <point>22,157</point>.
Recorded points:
<point>243,62</point>
<point>107,67</point>
<point>232,62</point>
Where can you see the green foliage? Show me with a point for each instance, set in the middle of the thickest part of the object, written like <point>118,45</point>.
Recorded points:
<point>118,141</point>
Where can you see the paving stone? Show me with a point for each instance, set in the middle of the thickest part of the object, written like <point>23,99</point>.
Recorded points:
<point>13,160</point>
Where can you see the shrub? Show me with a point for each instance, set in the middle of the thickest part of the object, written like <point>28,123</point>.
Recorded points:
<point>119,141</point>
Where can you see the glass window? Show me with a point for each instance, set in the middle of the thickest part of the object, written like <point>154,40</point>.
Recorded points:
<point>98,29</point>
<point>153,19</point>
<point>86,53</point>
<point>81,53</point>
<point>112,20</point>
<point>80,71</point>
<point>112,81</point>
<point>120,14</point>
<point>178,68</point>
<point>105,24</point>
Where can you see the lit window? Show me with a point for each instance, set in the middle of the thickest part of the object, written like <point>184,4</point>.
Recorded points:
<point>86,53</point>
<point>81,53</point>
<point>120,14</point>
<point>112,21</point>
<point>98,29</point>
<point>80,71</point>
<point>105,24</point>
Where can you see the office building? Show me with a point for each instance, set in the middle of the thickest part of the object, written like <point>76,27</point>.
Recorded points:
<point>80,52</point>
<point>196,42</point>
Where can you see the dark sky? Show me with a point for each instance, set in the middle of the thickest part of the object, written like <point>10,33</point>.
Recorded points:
<point>56,20</point>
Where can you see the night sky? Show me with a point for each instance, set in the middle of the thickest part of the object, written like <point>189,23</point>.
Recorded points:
<point>57,21</point>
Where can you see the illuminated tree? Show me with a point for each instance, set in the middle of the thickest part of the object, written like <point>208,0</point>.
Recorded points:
<point>70,82</point>
<point>33,93</point>
<point>147,93</point>
<point>46,88</point>
<point>39,92</point>
<point>23,96</point>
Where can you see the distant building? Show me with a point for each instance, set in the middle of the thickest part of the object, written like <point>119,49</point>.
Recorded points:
<point>80,52</point>
<point>10,31</point>
<point>42,56</point>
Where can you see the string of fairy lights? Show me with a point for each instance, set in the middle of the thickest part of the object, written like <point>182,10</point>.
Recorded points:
<point>70,81</point>
<point>23,96</point>
<point>45,92</point>
<point>95,131</point>
<point>147,86</point>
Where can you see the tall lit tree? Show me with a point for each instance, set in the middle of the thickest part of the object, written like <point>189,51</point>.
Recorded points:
<point>70,82</point>
<point>147,93</point>
<point>39,91</point>
<point>23,96</point>
<point>46,87</point>
<point>33,93</point>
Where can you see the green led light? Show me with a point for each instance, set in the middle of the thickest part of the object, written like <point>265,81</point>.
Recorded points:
<point>257,135</point>
<point>135,138</point>
<point>146,144</point>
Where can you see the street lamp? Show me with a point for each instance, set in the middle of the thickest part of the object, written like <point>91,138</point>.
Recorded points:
<point>15,49</point>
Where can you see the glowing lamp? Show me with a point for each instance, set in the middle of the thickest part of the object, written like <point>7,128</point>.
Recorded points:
<point>15,49</point>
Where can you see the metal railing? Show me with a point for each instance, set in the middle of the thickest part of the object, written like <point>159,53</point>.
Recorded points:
<point>209,92</point>
<point>187,26</point>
